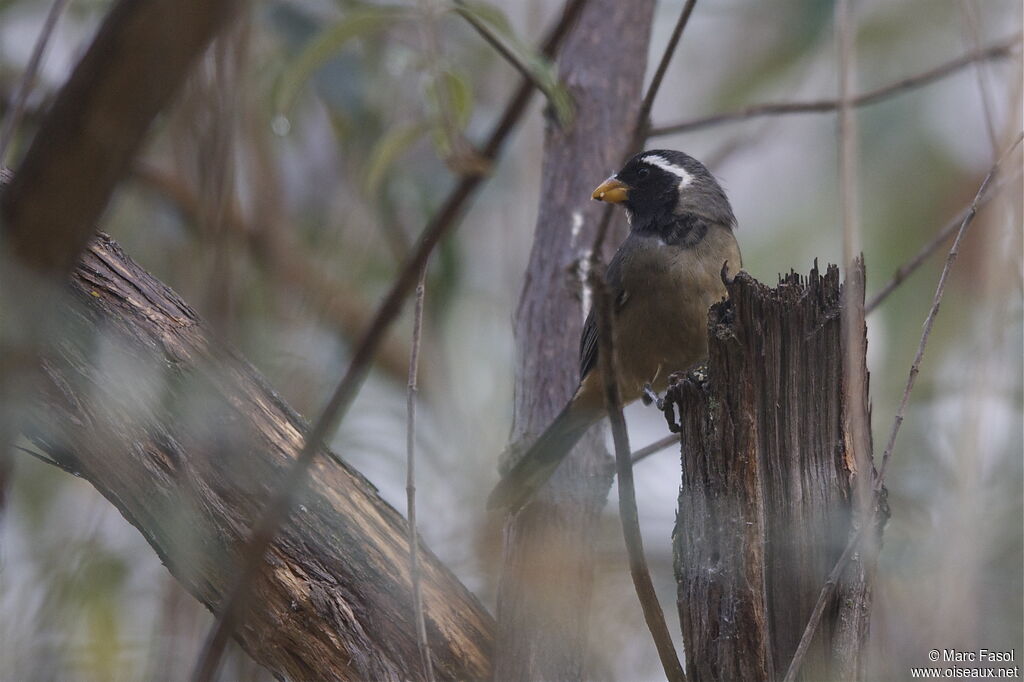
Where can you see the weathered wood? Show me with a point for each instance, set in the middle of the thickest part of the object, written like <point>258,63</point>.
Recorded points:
<point>765,506</point>
<point>188,441</point>
<point>549,554</point>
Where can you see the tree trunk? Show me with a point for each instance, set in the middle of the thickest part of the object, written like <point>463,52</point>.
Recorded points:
<point>546,584</point>
<point>188,442</point>
<point>766,505</point>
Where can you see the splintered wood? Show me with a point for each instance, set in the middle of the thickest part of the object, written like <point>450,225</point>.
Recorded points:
<point>766,502</point>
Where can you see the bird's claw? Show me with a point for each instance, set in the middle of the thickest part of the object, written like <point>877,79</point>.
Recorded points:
<point>649,397</point>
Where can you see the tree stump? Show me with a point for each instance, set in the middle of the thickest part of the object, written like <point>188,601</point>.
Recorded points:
<point>766,504</point>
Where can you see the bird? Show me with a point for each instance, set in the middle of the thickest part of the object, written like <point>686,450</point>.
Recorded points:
<point>661,281</point>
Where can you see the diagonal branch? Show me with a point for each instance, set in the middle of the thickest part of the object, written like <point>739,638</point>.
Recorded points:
<point>995,51</point>
<point>628,514</point>
<point>87,140</point>
<point>83,147</point>
<point>188,448</point>
<point>443,221</point>
<point>643,120</point>
<point>929,321</point>
<point>492,39</point>
<point>940,238</point>
<point>655,447</point>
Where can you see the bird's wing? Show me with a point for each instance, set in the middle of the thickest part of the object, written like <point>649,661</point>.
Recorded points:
<point>588,339</point>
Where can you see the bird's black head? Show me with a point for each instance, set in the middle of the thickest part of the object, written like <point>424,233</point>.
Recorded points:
<point>654,186</point>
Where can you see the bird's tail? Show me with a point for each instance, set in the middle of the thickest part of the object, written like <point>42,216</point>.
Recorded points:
<point>534,468</point>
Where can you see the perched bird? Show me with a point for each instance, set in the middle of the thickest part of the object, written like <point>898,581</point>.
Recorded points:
<point>662,280</point>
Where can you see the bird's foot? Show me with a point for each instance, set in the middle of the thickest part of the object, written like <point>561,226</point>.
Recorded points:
<point>649,397</point>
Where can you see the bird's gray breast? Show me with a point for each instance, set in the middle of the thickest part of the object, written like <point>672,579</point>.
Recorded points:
<point>661,328</point>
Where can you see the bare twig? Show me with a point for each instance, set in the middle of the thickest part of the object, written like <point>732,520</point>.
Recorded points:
<point>929,321</point>
<point>994,51</point>
<point>941,237</point>
<point>443,221</point>
<point>969,12</point>
<point>410,480</point>
<point>13,117</point>
<point>643,119</point>
<point>656,446</point>
<point>627,493</point>
<point>824,597</point>
<point>869,522</point>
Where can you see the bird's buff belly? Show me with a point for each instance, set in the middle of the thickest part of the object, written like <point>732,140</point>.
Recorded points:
<point>647,351</point>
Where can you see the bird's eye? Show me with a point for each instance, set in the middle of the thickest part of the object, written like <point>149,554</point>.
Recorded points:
<point>643,173</point>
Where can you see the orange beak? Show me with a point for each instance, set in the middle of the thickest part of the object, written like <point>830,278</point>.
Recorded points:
<point>612,191</point>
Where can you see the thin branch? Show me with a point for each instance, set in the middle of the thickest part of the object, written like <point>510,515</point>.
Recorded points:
<point>13,118</point>
<point>643,120</point>
<point>827,590</point>
<point>943,235</point>
<point>968,10</point>
<point>656,446</point>
<point>940,289</point>
<point>638,569</point>
<point>994,51</point>
<point>410,480</point>
<point>280,504</point>
<point>824,597</point>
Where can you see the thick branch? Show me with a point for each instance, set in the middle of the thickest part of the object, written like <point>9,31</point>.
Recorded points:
<point>444,220</point>
<point>187,440</point>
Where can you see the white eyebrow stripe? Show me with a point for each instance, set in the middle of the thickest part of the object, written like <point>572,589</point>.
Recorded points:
<point>664,164</point>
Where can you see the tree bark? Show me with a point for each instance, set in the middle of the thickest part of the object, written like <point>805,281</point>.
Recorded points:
<point>188,442</point>
<point>766,505</point>
<point>85,143</point>
<point>546,585</point>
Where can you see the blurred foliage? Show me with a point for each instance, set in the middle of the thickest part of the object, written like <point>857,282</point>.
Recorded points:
<point>343,121</point>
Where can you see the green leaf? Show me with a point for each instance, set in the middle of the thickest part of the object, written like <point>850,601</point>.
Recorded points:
<point>454,91</point>
<point>356,24</point>
<point>388,149</point>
